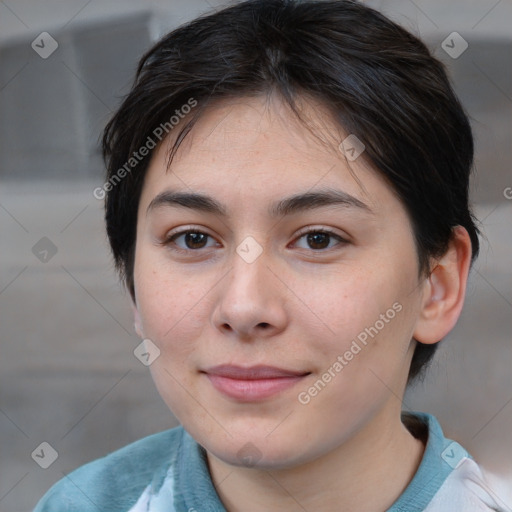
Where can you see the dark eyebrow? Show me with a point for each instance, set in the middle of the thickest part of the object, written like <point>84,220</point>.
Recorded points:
<point>316,199</point>
<point>287,206</point>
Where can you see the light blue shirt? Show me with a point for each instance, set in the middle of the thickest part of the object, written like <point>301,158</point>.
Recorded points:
<point>168,472</point>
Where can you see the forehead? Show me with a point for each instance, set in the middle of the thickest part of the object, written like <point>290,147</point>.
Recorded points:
<point>252,151</point>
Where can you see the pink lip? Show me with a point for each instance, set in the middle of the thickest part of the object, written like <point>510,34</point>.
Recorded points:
<point>253,383</point>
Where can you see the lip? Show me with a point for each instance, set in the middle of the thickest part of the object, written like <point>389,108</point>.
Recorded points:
<point>252,383</point>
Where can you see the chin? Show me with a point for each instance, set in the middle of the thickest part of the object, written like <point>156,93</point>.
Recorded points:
<point>258,452</point>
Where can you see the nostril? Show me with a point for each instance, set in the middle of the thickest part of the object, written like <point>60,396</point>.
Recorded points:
<point>264,324</point>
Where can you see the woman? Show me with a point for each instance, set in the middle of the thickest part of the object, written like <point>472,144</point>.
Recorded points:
<point>287,202</point>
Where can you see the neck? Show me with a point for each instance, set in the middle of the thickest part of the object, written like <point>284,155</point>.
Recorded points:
<point>369,472</point>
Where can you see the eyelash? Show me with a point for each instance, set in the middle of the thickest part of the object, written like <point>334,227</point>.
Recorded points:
<point>170,240</point>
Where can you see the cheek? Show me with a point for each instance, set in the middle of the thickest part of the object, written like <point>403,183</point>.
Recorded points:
<point>346,301</point>
<point>172,308</point>
<point>170,304</point>
<point>365,315</point>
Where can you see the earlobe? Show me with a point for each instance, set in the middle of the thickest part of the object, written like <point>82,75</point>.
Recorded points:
<point>137,323</point>
<point>444,290</point>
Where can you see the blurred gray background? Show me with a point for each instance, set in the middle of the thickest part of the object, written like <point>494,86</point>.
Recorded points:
<point>68,375</point>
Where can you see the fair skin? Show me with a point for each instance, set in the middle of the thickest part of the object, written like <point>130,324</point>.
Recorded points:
<point>298,305</point>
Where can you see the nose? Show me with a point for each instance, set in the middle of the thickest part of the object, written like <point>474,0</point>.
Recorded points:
<point>251,301</point>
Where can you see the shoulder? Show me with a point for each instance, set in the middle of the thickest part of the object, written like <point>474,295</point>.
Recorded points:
<point>116,481</point>
<point>468,488</point>
<point>448,478</point>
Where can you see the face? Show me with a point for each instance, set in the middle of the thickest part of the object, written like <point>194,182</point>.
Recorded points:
<point>279,280</point>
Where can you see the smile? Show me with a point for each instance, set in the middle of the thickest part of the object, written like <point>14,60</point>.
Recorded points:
<point>253,383</point>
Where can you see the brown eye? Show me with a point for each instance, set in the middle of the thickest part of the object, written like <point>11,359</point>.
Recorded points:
<point>195,240</point>
<point>189,240</point>
<point>318,240</point>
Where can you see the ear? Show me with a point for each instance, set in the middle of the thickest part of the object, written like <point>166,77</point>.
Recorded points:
<point>137,323</point>
<point>444,290</point>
